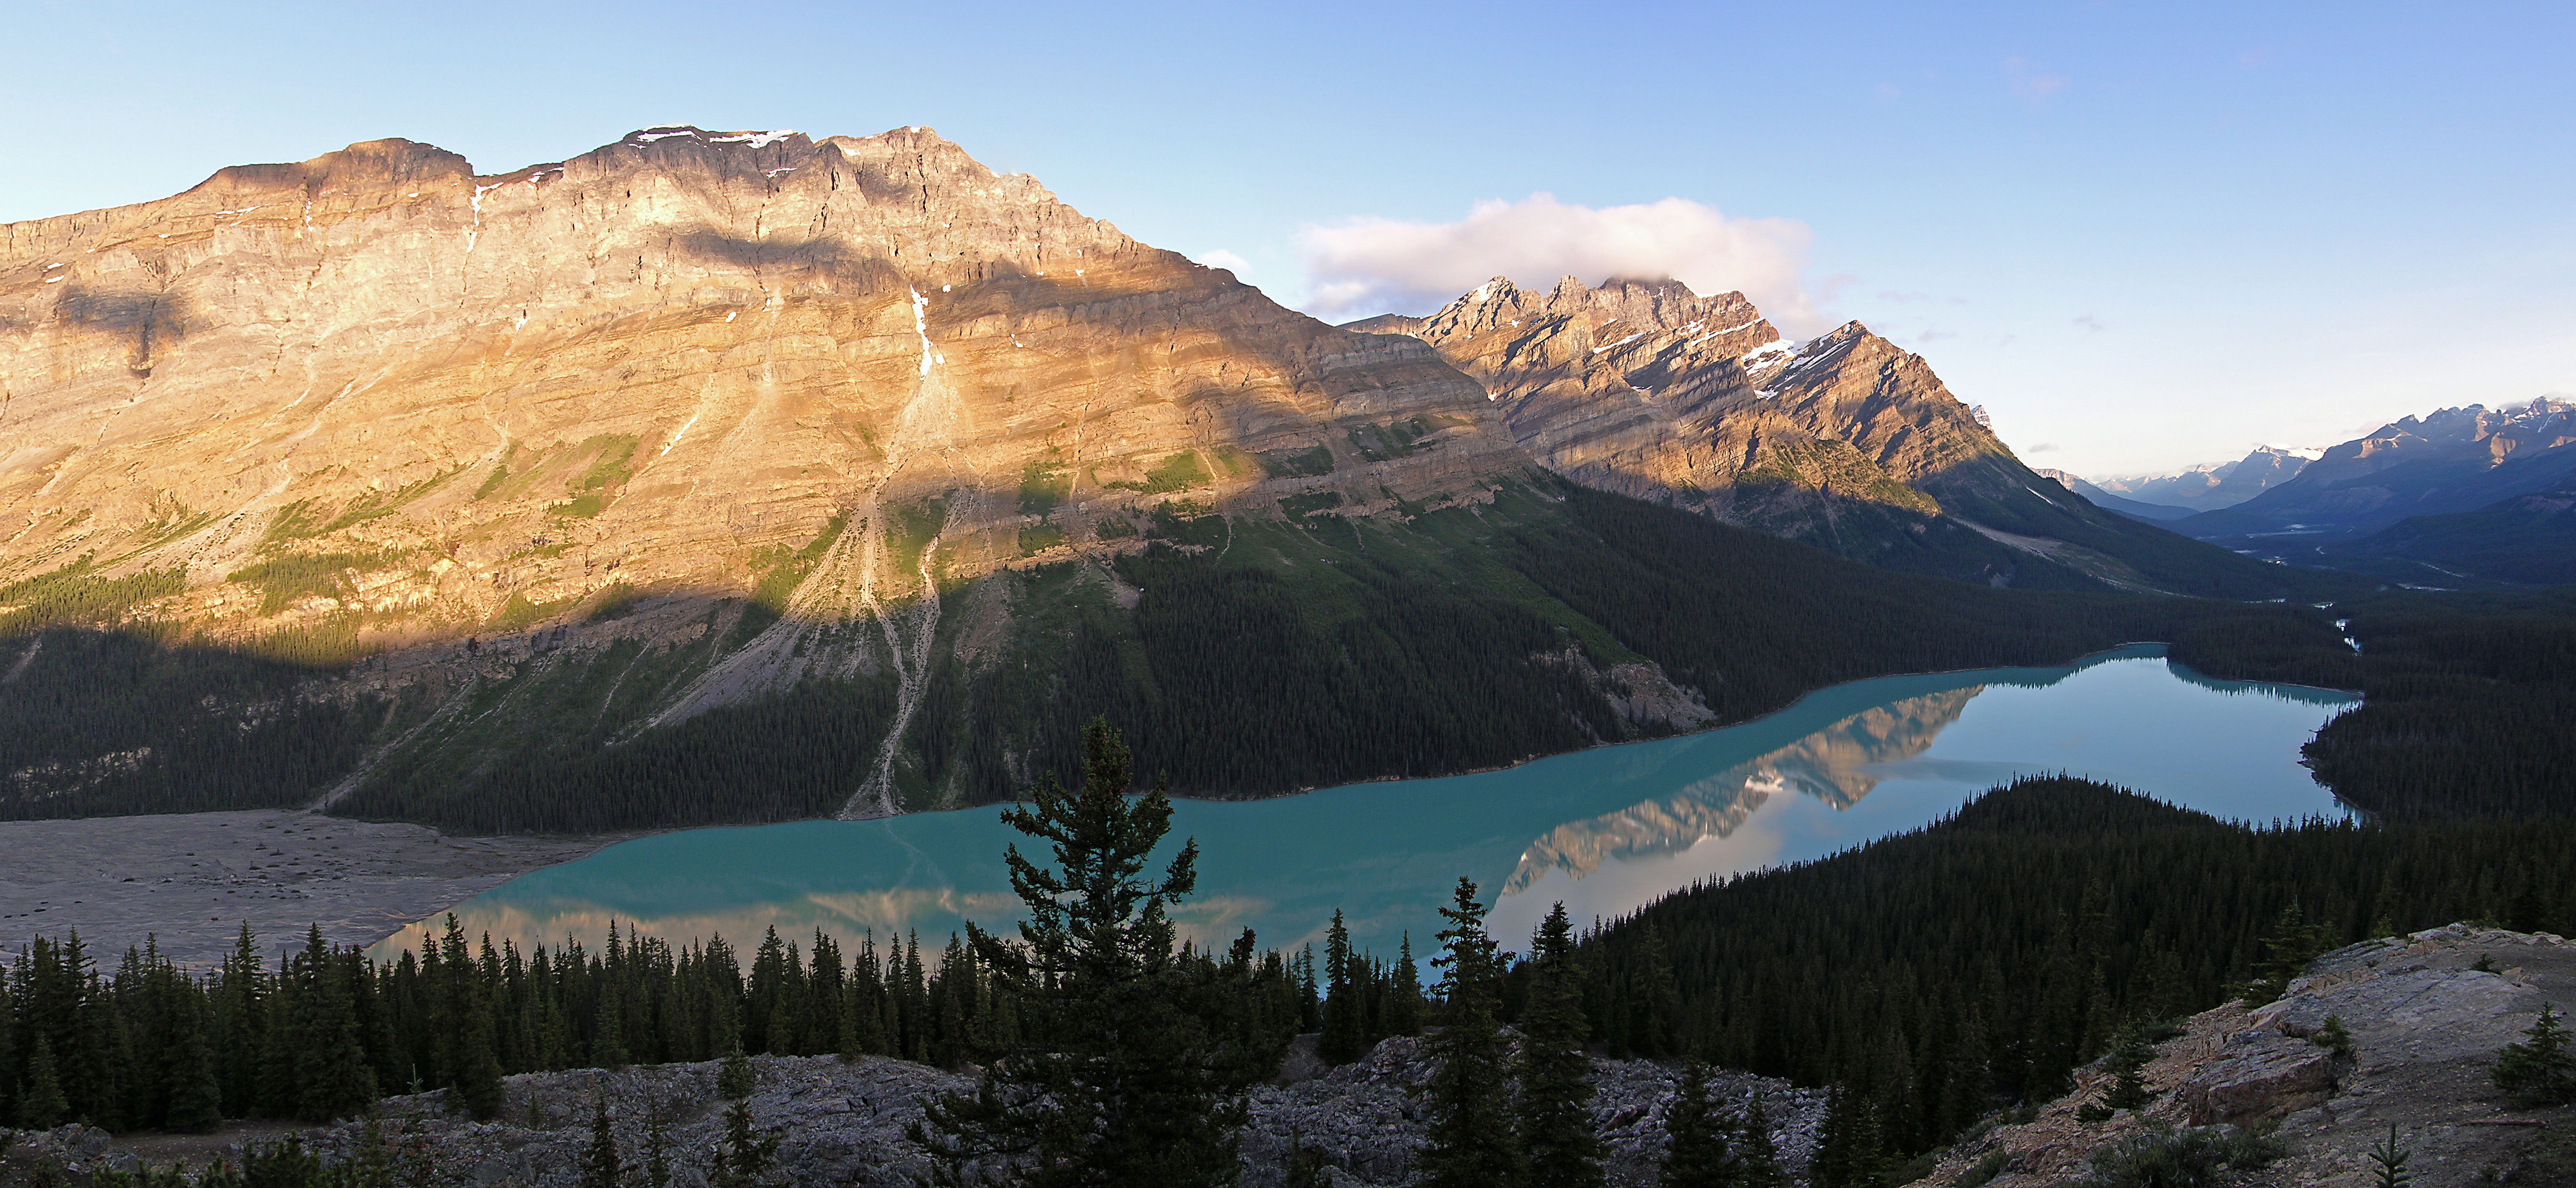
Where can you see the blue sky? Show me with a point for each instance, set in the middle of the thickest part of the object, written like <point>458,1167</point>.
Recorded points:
<point>2142,235</point>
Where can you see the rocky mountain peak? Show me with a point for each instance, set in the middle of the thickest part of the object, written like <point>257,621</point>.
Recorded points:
<point>480,403</point>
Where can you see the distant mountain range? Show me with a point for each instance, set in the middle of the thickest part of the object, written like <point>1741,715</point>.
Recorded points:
<point>2467,493</point>
<point>2217,485</point>
<point>2153,513</point>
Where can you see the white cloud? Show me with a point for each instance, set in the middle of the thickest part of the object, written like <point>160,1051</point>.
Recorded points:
<point>1373,265</point>
<point>1221,258</point>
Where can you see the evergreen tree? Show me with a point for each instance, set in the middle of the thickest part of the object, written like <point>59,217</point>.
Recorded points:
<point>657,1149</point>
<point>196,1103</point>
<point>1656,1004</point>
<point>470,1061</point>
<point>608,1036</point>
<point>2388,1163</point>
<point>1553,1114</point>
<point>600,1167</point>
<point>371,1165</point>
<point>736,1078</point>
<point>744,1157</point>
<point>2539,1070</point>
<point>1344,1038</point>
<point>1698,1151</point>
<point>41,1105</point>
<point>332,1077</point>
<point>1404,997</point>
<point>1468,1141</point>
<point>239,1032</point>
<point>1757,1158</point>
<point>1129,1090</point>
<point>1852,1150</point>
<point>2128,1087</point>
<point>2293,944</point>
<point>2384,909</point>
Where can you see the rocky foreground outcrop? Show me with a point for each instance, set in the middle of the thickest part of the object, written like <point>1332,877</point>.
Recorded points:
<point>2426,1013</point>
<point>843,1123</point>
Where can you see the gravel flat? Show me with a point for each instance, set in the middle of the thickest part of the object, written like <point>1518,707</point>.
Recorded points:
<point>192,879</point>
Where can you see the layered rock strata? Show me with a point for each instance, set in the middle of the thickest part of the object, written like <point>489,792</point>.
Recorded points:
<point>1650,390</point>
<point>644,366</point>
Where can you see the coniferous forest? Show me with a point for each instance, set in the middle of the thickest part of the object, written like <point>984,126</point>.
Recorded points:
<point>1944,973</point>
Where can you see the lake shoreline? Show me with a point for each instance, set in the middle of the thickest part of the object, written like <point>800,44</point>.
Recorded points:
<point>191,879</point>
<point>187,882</point>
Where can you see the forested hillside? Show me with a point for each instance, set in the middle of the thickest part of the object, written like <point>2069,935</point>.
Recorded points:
<point>1264,656</point>
<point>1248,654</point>
<point>2466,697</point>
<point>1943,973</point>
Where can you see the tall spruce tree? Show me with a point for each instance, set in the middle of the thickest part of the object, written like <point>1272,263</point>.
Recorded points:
<point>1130,1090</point>
<point>196,1096</point>
<point>745,1155</point>
<point>1344,1037</point>
<point>1699,1151</point>
<point>1404,996</point>
<point>1553,1114</point>
<point>332,1076</point>
<point>41,1105</point>
<point>1757,1158</point>
<point>1468,1142</point>
<point>600,1165</point>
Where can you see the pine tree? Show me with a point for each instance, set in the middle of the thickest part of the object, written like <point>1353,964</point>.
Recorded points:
<point>1657,1006</point>
<point>600,1167</point>
<point>1553,1112</point>
<point>332,1078</point>
<point>1404,998</point>
<point>1128,1089</point>
<point>239,1016</point>
<point>2388,1163</point>
<point>41,1105</point>
<point>1468,1142</point>
<point>744,1157</point>
<point>1343,1039</point>
<point>1698,1151</point>
<point>2293,944</point>
<point>1852,1150</point>
<point>196,1097</point>
<point>736,1078</point>
<point>1757,1158</point>
<point>657,1149</point>
<point>608,1035</point>
<point>2384,918</point>
<point>2539,1070</point>
<point>372,1164</point>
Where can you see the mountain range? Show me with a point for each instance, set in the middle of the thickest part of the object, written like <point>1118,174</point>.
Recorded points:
<point>745,475</point>
<point>2463,493</point>
<point>2213,486</point>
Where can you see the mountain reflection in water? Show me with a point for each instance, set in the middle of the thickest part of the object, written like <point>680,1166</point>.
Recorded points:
<point>1827,765</point>
<point>1606,830</point>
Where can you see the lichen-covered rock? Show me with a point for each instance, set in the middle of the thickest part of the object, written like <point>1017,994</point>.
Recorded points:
<point>2425,1014</point>
<point>2262,1074</point>
<point>844,1123</point>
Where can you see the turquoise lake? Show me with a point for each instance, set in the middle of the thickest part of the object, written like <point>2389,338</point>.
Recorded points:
<point>1605,830</point>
